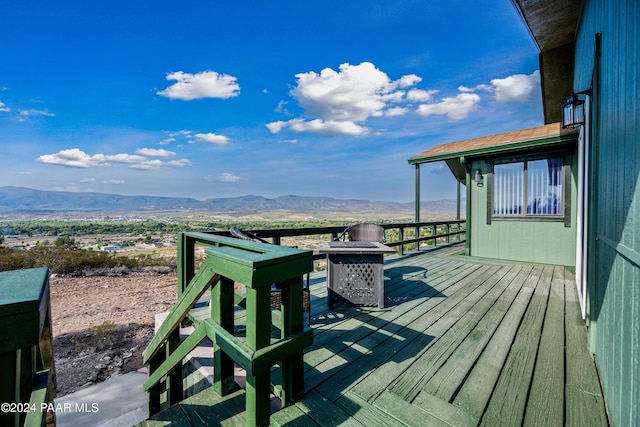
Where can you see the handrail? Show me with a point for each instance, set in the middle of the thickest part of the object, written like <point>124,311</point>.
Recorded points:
<point>257,266</point>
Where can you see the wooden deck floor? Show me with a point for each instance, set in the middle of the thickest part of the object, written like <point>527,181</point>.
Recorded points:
<point>461,342</point>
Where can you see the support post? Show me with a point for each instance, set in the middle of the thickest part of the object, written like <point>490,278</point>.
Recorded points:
<point>417,217</point>
<point>458,204</point>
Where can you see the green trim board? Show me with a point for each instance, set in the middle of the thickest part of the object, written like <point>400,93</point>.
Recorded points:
<point>520,145</point>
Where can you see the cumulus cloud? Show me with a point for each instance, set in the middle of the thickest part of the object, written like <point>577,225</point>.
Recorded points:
<point>276,127</point>
<point>518,87</point>
<point>122,158</point>
<point>420,95</point>
<point>338,101</point>
<point>179,163</point>
<point>76,158</point>
<point>73,157</point>
<point>484,87</point>
<point>211,138</point>
<point>329,127</point>
<point>228,177</point>
<point>352,94</point>
<point>152,152</point>
<point>4,108</point>
<point>456,108</point>
<point>148,165</point>
<point>207,84</point>
<point>396,111</point>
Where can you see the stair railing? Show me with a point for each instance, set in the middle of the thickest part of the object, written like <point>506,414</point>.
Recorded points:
<point>256,266</point>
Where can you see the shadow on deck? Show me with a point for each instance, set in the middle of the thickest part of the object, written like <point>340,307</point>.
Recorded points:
<point>460,342</point>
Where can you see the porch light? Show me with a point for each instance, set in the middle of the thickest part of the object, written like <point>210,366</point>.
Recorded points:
<point>478,178</point>
<point>573,112</point>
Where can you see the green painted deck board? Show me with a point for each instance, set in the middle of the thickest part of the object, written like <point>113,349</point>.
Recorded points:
<point>452,373</point>
<point>476,390</point>
<point>471,311</point>
<point>465,344</point>
<point>584,401</point>
<point>508,401</point>
<point>321,411</point>
<point>545,404</point>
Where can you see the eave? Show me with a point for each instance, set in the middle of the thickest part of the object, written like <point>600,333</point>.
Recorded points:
<point>553,25</point>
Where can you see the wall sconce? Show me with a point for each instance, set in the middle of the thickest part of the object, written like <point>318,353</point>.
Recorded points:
<point>573,112</point>
<point>478,177</point>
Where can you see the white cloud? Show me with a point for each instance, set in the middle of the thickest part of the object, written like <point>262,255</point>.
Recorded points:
<point>396,111</point>
<point>25,114</point>
<point>456,108</point>
<point>212,138</point>
<point>167,141</point>
<point>76,158</point>
<point>179,163</point>
<point>354,93</point>
<point>148,165</point>
<point>487,88</point>
<point>336,102</point>
<point>518,87</point>
<point>228,177</point>
<point>207,84</point>
<point>104,181</point>
<point>409,80</point>
<point>73,157</point>
<point>4,108</point>
<point>152,152</point>
<point>322,127</point>
<point>420,95</point>
<point>122,158</point>
<point>276,127</point>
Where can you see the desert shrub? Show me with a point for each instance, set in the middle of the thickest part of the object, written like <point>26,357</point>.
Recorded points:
<point>66,258</point>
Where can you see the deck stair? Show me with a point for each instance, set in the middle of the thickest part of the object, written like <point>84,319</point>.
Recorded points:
<point>229,263</point>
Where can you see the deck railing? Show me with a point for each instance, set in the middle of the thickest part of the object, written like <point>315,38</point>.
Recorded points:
<point>230,262</point>
<point>402,236</point>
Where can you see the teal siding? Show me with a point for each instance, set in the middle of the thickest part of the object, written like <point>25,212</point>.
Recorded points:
<point>530,241</point>
<point>614,237</point>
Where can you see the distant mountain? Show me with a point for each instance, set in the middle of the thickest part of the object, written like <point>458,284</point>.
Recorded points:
<point>27,200</point>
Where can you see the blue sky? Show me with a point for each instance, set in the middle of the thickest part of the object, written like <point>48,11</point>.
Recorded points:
<point>210,99</point>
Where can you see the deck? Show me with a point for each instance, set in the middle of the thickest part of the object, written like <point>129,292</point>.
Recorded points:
<point>460,342</point>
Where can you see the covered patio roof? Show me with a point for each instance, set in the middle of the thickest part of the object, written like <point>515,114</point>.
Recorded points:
<point>453,153</point>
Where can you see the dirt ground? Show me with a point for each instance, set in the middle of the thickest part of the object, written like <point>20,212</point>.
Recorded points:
<point>101,325</point>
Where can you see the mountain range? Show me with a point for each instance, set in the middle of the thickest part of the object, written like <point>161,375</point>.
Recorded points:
<point>28,200</point>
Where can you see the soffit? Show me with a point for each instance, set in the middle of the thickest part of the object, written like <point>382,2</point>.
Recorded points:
<point>552,23</point>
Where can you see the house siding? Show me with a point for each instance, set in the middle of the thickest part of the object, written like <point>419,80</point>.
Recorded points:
<point>530,241</point>
<point>614,236</point>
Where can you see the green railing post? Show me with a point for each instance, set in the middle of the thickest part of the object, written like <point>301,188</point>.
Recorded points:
<point>222,302</point>
<point>185,261</point>
<point>174,378</point>
<point>292,381</point>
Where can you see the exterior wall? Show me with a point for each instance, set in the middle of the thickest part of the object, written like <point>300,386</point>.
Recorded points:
<point>520,240</point>
<point>614,235</point>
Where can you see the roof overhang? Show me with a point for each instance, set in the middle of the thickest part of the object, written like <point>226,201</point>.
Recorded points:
<point>455,154</point>
<point>553,25</point>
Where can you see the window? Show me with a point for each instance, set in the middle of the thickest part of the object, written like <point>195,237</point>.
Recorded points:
<point>528,188</point>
